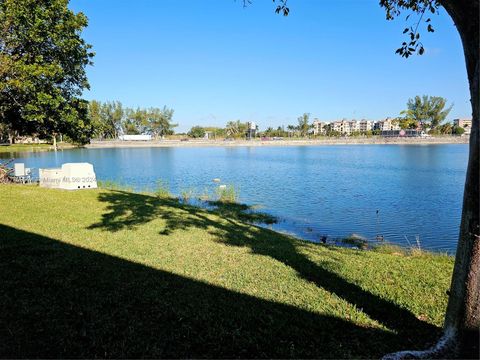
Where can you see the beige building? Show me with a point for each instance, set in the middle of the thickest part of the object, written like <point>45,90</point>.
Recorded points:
<point>366,125</point>
<point>318,127</point>
<point>388,124</point>
<point>346,127</point>
<point>466,124</point>
<point>354,126</point>
<point>342,126</point>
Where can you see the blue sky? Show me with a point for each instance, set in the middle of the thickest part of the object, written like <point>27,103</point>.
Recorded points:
<point>213,60</point>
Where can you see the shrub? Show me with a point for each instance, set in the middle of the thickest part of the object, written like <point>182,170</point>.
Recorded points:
<point>187,194</point>
<point>359,242</point>
<point>113,185</point>
<point>197,132</point>
<point>162,189</point>
<point>227,194</point>
<point>457,130</point>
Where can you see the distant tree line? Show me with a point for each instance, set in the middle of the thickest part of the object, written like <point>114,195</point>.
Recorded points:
<point>233,130</point>
<point>238,130</point>
<point>303,128</point>
<point>111,119</point>
<point>423,113</point>
<point>108,120</point>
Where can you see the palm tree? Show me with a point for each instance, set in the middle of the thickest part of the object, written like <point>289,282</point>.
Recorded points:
<point>303,125</point>
<point>427,111</point>
<point>236,128</point>
<point>291,129</point>
<point>232,128</point>
<point>446,128</point>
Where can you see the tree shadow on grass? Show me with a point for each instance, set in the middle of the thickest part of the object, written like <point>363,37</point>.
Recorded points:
<point>127,210</point>
<point>62,301</point>
<point>242,212</point>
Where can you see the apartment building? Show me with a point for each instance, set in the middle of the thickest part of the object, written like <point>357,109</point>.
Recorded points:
<point>354,126</point>
<point>318,127</point>
<point>466,124</point>
<point>342,126</point>
<point>388,124</point>
<point>348,127</point>
<point>366,125</point>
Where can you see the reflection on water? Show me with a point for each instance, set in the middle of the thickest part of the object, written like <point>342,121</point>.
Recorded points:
<point>315,191</point>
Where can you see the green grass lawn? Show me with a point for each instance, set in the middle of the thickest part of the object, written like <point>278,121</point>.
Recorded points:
<point>111,273</point>
<point>32,147</point>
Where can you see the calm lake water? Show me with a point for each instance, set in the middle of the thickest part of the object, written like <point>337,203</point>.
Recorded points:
<point>315,191</point>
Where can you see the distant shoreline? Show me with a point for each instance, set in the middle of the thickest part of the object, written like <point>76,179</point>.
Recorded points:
<point>255,143</point>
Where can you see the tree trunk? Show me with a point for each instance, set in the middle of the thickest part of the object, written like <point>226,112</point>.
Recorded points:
<point>462,320</point>
<point>11,137</point>
<point>54,142</point>
<point>463,311</point>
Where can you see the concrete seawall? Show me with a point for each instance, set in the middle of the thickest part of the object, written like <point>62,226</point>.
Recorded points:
<point>306,142</point>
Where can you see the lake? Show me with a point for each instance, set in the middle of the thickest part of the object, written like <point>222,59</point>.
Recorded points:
<point>315,191</point>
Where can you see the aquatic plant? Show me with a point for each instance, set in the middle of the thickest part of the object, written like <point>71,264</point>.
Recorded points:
<point>113,185</point>
<point>226,194</point>
<point>205,195</point>
<point>187,194</point>
<point>162,190</point>
<point>357,241</point>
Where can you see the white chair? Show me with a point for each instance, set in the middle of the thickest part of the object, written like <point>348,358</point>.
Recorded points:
<point>19,169</point>
<point>21,174</point>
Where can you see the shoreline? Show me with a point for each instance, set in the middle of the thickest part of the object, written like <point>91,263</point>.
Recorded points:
<point>194,267</point>
<point>259,143</point>
<point>6,148</point>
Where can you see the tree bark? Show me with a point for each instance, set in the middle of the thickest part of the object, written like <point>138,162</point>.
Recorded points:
<point>462,319</point>
<point>54,141</point>
<point>11,137</point>
<point>463,311</point>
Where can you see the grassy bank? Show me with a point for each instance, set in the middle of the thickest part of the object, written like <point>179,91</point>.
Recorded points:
<point>33,147</point>
<point>110,273</point>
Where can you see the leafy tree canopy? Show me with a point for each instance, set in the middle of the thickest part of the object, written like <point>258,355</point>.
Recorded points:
<point>42,72</point>
<point>303,124</point>
<point>236,129</point>
<point>197,132</point>
<point>425,111</point>
<point>458,130</point>
<point>110,119</point>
